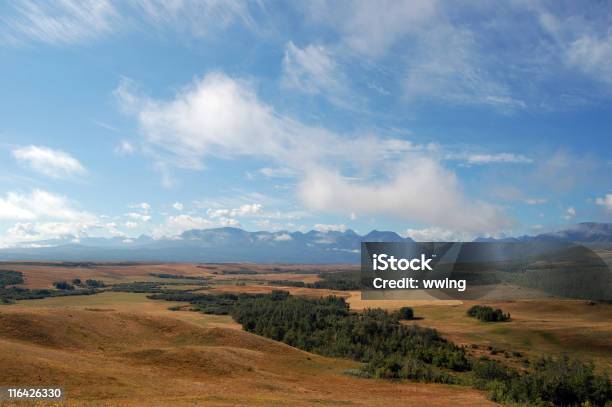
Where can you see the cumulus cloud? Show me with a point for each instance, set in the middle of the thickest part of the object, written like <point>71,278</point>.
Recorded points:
<point>49,162</point>
<point>282,172</point>
<point>218,116</point>
<point>138,216</point>
<point>421,190</point>
<point>125,148</point>
<point>283,237</point>
<point>570,213</point>
<point>175,225</point>
<point>605,201</point>
<point>42,215</point>
<point>38,204</point>
<point>320,227</point>
<point>178,206</point>
<point>243,210</point>
<point>436,234</point>
<point>144,206</point>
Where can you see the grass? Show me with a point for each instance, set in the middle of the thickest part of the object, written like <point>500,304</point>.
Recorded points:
<point>105,329</point>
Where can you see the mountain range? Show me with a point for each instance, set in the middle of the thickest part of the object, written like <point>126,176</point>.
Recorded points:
<point>237,245</point>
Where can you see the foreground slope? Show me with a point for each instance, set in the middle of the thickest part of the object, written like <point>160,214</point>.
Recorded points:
<point>107,356</point>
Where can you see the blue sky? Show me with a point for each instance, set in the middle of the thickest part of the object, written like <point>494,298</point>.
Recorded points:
<point>438,120</point>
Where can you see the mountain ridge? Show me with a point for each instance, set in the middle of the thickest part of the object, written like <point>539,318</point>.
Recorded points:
<point>229,244</point>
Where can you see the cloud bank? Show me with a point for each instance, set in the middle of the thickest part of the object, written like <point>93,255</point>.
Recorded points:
<point>219,116</point>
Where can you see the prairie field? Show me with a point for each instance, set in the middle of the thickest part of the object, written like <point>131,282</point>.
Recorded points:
<point>122,348</point>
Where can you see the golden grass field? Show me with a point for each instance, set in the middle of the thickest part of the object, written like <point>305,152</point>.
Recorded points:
<point>117,348</point>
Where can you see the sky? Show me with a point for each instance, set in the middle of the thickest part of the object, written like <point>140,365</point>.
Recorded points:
<point>438,120</point>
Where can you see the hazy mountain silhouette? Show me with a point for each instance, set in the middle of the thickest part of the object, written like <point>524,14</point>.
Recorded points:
<point>237,245</point>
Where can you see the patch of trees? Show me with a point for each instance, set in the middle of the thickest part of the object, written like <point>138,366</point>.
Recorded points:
<point>488,314</point>
<point>149,287</point>
<point>241,271</point>
<point>216,304</point>
<point>138,287</point>
<point>176,276</point>
<point>63,285</point>
<point>374,336</point>
<point>559,382</point>
<point>10,295</point>
<point>391,350</point>
<point>95,283</point>
<point>341,281</point>
<point>10,277</point>
<point>89,283</point>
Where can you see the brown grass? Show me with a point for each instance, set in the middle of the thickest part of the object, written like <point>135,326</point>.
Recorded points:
<point>124,358</point>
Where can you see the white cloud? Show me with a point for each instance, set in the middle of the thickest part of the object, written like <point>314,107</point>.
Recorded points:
<point>584,43</point>
<point>131,225</point>
<point>243,210</point>
<point>419,190</point>
<point>498,158</point>
<point>144,206</point>
<point>199,18</point>
<point>569,213</point>
<point>283,237</point>
<point>79,21</point>
<point>447,67</point>
<point>222,117</point>
<point>61,22</point>
<point>125,148</point>
<point>139,216</point>
<point>281,172</point>
<point>42,215</point>
<point>436,234</point>
<point>372,28</point>
<point>319,227</point>
<point>178,206</point>
<point>49,162</point>
<point>175,225</point>
<point>606,201</point>
<point>535,201</point>
<point>38,204</point>
<point>313,70</point>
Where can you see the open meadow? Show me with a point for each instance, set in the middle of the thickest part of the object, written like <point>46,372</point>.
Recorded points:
<point>119,347</point>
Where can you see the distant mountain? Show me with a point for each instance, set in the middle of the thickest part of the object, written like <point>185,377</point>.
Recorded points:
<point>587,232</point>
<point>237,245</point>
<point>209,245</point>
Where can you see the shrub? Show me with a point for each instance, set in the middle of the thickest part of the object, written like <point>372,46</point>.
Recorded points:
<point>406,313</point>
<point>488,314</point>
<point>63,285</point>
<point>563,382</point>
<point>9,277</point>
<point>95,283</point>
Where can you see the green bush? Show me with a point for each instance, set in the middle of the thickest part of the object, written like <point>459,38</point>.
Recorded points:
<point>63,285</point>
<point>95,283</point>
<point>488,314</point>
<point>9,277</point>
<point>405,313</point>
<point>562,382</point>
